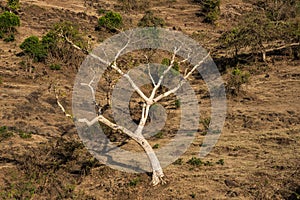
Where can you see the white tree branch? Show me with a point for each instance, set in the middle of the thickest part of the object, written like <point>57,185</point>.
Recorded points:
<point>61,106</point>
<point>196,66</point>
<point>158,98</point>
<point>149,72</point>
<point>163,74</point>
<point>137,135</point>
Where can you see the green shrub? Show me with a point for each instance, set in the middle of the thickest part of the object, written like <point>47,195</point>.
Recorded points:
<point>212,16</point>
<point>25,135</point>
<point>175,67</point>
<point>195,161</point>
<point>55,67</point>
<point>166,61</point>
<point>156,146</point>
<point>149,20</point>
<point>177,103</point>
<point>210,10</point>
<point>8,22</point>
<point>236,80</point>
<point>193,195</point>
<point>34,48</point>
<point>220,162</point>
<point>178,162</point>
<point>159,135</point>
<point>13,4</point>
<point>135,181</point>
<point>111,21</point>
<point>208,163</point>
<point>49,41</point>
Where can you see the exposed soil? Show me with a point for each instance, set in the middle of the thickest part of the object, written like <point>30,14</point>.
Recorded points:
<point>259,144</point>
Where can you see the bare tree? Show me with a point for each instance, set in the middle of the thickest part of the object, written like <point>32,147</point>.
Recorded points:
<point>154,97</point>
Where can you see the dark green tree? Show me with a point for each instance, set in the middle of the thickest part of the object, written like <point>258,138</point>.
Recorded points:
<point>33,47</point>
<point>111,20</point>
<point>8,22</point>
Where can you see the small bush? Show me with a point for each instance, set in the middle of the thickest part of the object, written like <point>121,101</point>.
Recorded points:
<point>34,48</point>
<point>49,41</point>
<point>55,67</point>
<point>149,20</point>
<point>220,162</point>
<point>175,67</point>
<point>159,135</point>
<point>195,161</point>
<point>135,181</point>
<point>8,23</point>
<point>156,146</point>
<point>208,163</point>
<point>193,195</point>
<point>25,135</point>
<point>166,61</point>
<point>178,162</point>
<point>210,10</point>
<point>111,21</point>
<point>177,103</point>
<point>13,4</point>
<point>236,80</point>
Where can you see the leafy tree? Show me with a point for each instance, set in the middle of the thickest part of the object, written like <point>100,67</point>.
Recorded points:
<point>253,31</point>
<point>57,44</point>
<point>8,22</point>
<point>111,21</point>
<point>34,48</point>
<point>61,40</point>
<point>210,10</point>
<point>258,30</point>
<point>68,30</point>
<point>49,41</point>
<point>279,10</point>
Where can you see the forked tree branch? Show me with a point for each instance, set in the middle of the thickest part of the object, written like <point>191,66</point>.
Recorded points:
<point>157,176</point>
<point>137,135</point>
<point>172,91</point>
<point>60,105</point>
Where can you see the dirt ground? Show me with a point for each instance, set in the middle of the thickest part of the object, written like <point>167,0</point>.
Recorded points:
<point>42,157</point>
